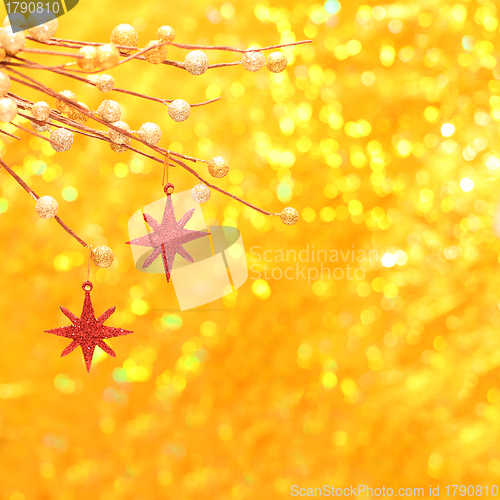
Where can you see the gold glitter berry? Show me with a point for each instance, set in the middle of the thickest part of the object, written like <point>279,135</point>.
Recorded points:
<point>41,128</point>
<point>61,105</point>
<point>108,56</point>
<point>276,62</point>
<point>289,216</point>
<point>118,148</point>
<point>44,32</point>
<point>105,83</point>
<point>89,61</point>
<point>13,43</point>
<point>77,115</point>
<point>110,111</point>
<point>40,111</point>
<point>63,138</point>
<point>102,256</point>
<point>166,34</point>
<point>218,167</point>
<point>179,110</point>
<point>47,207</point>
<point>125,34</point>
<point>196,62</point>
<point>115,136</point>
<point>253,61</point>
<point>150,132</point>
<point>156,55</point>
<point>200,193</point>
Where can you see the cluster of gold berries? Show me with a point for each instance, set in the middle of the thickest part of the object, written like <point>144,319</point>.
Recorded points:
<point>255,60</point>
<point>126,38</point>
<point>13,43</point>
<point>91,58</point>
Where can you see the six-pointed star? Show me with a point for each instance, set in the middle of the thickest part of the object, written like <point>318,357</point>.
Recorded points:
<point>87,331</point>
<point>168,237</point>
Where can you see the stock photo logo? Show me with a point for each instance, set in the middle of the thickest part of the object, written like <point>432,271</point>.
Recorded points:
<point>170,236</point>
<point>29,14</point>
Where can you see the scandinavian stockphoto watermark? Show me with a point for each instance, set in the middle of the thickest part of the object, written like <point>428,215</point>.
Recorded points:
<point>367,491</point>
<point>362,490</point>
<point>311,263</point>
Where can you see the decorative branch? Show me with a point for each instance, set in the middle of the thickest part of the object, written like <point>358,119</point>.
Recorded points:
<point>276,63</point>
<point>78,44</point>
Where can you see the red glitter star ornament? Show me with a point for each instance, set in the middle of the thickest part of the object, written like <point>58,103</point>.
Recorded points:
<point>87,331</point>
<point>168,237</point>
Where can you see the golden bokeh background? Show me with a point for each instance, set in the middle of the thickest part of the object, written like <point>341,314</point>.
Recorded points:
<point>384,134</point>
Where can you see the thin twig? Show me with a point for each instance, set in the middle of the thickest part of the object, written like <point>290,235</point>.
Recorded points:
<point>52,53</point>
<point>124,91</point>
<point>224,65</point>
<point>213,186</point>
<point>77,44</point>
<point>234,49</point>
<point>10,135</point>
<point>32,193</point>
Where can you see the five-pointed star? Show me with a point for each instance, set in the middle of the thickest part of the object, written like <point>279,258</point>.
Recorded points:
<point>87,331</point>
<point>168,237</point>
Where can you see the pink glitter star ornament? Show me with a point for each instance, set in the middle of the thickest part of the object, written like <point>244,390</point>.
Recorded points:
<point>88,331</point>
<point>168,237</point>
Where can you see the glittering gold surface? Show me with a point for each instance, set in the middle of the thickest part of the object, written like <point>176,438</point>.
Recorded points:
<point>105,83</point>
<point>110,111</point>
<point>47,207</point>
<point>89,60</point>
<point>63,139</point>
<point>289,216</point>
<point>218,167</point>
<point>41,128</point>
<point>12,43</point>
<point>62,106</point>
<point>102,256</point>
<point>150,132</point>
<point>118,148</point>
<point>384,135</point>
<point>156,55</point>
<point>44,32</point>
<point>276,62</point>
<point>179,110</point>
<point>196,62</point>
<point>40,111</point>
<point>108,56</point>
<point>77,115</point>
<point>166,34</point>
<point>125,34</point>
<point>200,193</point>
<point>253,61</point>
<point>115,136</point>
